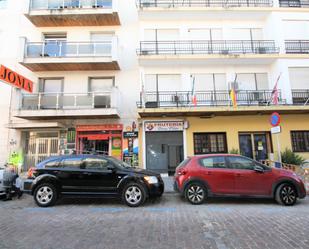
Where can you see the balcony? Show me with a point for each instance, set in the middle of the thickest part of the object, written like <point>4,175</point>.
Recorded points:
<point>69,105</point>
<point>196,10</point>
<point>218,103</point>
<point>70,56</point>
<point>294,3</point>
<point>297,46</point>
<point>203,3</point>
<point>208,52</point>
<point>300,97</point>
<point>54,13</point>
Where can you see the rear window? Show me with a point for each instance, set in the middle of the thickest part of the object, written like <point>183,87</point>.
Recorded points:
<point>184,163</point>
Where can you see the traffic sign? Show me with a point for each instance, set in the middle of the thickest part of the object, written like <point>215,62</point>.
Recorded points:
<point>275,130</point>
<point>275,119</point>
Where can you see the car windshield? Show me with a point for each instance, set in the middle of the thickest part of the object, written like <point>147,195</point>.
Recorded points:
<point>119,163</point>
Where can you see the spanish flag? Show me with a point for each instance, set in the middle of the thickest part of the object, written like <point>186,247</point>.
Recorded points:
<point>233,97</point>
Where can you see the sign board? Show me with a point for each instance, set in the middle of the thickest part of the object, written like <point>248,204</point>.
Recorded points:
<point>130,134</point>
<point>164,126</point>
<point>275,119</point>
<point>275,130</point>
<point>16,80</point>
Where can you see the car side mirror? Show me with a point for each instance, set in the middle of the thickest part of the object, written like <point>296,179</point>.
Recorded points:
<point>258,169</point>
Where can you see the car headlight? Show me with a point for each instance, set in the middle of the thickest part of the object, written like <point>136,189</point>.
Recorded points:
<point>151,179</point>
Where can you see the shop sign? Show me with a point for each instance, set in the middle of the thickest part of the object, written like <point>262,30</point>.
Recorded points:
<point>15,79</point>
<point>130,134</point>
<point>164,126</point>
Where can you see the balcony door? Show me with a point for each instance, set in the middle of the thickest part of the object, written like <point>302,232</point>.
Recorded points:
<point>55,45</point>
<point>52,92</point>
<point>102,43</point>
<point>101,88</point>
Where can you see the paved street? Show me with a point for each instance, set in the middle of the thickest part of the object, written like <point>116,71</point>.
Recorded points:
<point>165,223</point>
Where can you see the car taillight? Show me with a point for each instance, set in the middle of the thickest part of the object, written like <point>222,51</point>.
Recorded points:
<point>31,172</point>
<point>181,172</point>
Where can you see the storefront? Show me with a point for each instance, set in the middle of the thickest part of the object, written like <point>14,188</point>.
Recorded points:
<point>164,145</point>
<point>103,139</point>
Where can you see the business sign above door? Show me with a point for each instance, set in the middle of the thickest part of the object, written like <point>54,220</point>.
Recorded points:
<point>14,79</point>
<point>164,126</point>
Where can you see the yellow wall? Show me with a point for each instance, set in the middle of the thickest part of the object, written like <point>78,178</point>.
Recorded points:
<point>232,125</point>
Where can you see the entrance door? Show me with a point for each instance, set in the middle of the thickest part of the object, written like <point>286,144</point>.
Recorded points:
<point>164,151</point>
<point>255,145</point>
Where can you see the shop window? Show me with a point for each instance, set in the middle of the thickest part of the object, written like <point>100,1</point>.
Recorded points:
<point>300,141</point>
<point>206,143</point>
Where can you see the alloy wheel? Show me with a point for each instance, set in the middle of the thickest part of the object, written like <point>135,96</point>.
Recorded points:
<point>44,195</point>
<point>196,194</point>
<point>133,195</point>
<point>288,195</point>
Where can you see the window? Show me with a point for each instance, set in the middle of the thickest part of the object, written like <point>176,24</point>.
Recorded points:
<point>210,82</point>
<point>3,4</point>
<point>96,163</point>
<point>252,81</point>
<point>299,77</point>
<point>52,164</point>
<point>205,143</point>
<point>73,163</point>
<point>163,82</point>
<point>241,163</point>
<point>51,85</point>
<point>300,141</point>
<point>213,162</point>
<point>101,84</point>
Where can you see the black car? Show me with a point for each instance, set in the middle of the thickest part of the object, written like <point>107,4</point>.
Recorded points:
<point>91,176</point>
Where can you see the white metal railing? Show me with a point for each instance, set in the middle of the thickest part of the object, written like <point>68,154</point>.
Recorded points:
<point>62,101</point>
<point>70,4</point>
<point>68,49</point>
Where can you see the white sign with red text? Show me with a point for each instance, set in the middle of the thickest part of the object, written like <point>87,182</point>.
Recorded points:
<point>164,126</point>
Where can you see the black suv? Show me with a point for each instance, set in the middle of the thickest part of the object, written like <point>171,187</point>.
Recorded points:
<point>91,175</point>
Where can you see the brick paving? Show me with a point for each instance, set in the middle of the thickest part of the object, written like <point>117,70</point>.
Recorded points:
<point>168,222</point>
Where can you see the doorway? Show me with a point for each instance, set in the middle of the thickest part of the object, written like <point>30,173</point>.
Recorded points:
<point>164,151</point>
<point>255,145</point>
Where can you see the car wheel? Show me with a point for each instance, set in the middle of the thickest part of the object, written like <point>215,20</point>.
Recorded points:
<point>286,194</point>
<point>134,194</point>
<point>196,193</point>
<point>45,195</point>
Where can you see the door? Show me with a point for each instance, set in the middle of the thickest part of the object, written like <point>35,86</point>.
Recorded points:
<point>175,157</point>
<point>70,175</point>
<point>97,177</point>
<point>218,175</point>
<point>247,180</point>
<point>255,145</point>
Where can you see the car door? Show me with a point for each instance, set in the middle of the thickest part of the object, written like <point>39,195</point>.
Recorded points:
<point>99,175</point>
<point>69,174</point>
<point>216,173</point>
<point>247,180</point>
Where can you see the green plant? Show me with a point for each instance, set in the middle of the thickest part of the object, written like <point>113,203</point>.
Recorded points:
<point>234,151</point>
<point>290,157</point>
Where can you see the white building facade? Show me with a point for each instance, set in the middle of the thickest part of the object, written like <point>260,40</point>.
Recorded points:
<point>104,67</point>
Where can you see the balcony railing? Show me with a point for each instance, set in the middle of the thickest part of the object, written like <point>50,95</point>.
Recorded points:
<point>297,46</point>
<point>300,97</point>
<point>206,98</point>
<point>67,101</point>
<point>69,4</point>
<point>294,3</point>
<point>68,49</point>
<point>207,47</point>
<point>204,3</point>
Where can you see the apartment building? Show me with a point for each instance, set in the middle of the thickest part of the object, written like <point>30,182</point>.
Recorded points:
<point>118,77</point>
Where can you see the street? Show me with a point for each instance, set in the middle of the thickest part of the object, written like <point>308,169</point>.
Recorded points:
<point>169,222</point>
